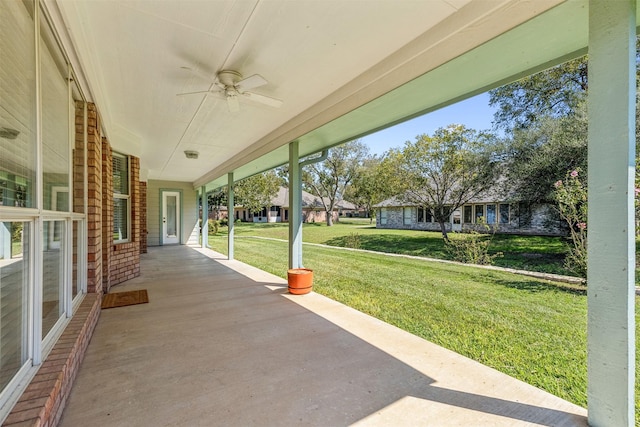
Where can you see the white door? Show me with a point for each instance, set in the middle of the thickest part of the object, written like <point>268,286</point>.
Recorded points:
<point>170,217</point>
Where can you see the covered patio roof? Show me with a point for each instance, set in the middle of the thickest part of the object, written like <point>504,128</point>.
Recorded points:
<point>229,346</point>
<point>342,70</point>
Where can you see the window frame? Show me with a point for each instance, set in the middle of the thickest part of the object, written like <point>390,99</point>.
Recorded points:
<point>476,210</point>
<point>467,209</point>
<point>34,214</point>
<point>404,215</point>
<point>508,221</point>
<point>119,196</point>
<point>495,213</point>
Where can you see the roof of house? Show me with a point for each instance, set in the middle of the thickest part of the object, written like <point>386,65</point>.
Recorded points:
<point>309,201</point>
<point>492,195</point>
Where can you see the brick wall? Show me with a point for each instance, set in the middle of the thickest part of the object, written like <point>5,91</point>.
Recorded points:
<point>121,261</point>
<point>43,402</point>
<point>107,214</point>
<point>78,159</point>
<point>143,217</point>
<point>125,257</point>
<point>94,205</point>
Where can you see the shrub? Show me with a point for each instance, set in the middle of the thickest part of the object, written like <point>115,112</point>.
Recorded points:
<point>571,196</point>
<point>473,248</point>
<point>214,225</point>
<point>352,241</point>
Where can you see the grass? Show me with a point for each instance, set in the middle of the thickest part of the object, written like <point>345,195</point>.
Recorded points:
<point>534,253</point>
<point>530,329</point>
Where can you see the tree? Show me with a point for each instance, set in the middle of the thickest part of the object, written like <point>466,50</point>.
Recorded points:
<point>444,171</point>
<point>376,181</point>
<point>257,191</point>
<point>557,92</point>
<point>546,121</point>
<point>330,179</point>
<point>215,200</point>
<point>537,155</point>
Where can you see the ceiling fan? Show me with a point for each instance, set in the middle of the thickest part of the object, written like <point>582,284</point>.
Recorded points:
<point>232,87</point>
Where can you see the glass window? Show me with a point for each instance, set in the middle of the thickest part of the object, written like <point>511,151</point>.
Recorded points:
<point>504,213</point>
<point>467,214</point>
<point>479,213</point>
<point>491,214</point>
<point>52,273</point>
<point>14,285</point>
<point>17,105</point>
<point>429,216</point>
<point>55,123</point>
<point>421,214</point>
<point>120,198</point>
<point>407,220</point>
<point>383,216</point>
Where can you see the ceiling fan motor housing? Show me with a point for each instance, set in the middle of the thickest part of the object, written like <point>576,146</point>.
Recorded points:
<point>229,78</point>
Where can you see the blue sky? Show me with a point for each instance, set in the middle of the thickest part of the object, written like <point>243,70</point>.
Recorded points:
<point>474,113</point>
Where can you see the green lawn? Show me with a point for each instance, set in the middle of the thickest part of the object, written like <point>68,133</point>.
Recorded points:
<point>530,329</point>
<point>545,254</point>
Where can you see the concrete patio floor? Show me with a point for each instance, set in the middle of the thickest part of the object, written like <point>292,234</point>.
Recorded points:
<point>223,343</point>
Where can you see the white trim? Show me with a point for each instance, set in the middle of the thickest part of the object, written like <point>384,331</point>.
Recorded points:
<point>14,389</point>
<point>126,197</point>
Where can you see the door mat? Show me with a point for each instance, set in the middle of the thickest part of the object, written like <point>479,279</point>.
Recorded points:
<point>122,299</point>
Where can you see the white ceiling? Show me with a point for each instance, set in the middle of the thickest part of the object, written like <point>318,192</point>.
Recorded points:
<point>338,66</point>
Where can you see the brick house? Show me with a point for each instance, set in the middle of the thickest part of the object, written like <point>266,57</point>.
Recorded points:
<point>312,209</point>
<point>506,217</point>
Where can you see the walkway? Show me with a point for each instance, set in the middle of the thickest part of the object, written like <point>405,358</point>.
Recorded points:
<point>222,343</point>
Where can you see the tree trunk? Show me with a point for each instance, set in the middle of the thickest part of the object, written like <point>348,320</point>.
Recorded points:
<point>329,219</point>
<point>443,229</point>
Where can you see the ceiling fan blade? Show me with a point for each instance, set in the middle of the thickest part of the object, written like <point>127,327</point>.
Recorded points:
<point>233,104</point>
<point>250,82</point>
<point>263,99</point>
<point>193,93</point>
<point>204,75</point>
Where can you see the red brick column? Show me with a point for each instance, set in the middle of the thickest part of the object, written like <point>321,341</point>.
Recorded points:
<point>143,217</point>
<point>107,213</point>
<point>134,173</point>
<point>94,207</point>
<point>78,159</point>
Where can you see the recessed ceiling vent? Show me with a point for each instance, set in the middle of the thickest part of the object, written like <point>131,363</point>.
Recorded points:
<point>191,154</point>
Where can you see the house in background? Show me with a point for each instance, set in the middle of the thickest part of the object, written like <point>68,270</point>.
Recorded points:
<point>505,216</point>
<point>312,209</point>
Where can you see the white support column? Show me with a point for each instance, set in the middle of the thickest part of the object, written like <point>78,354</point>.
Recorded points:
<point>295,207</point>
<point>611,240</point>
<point>205,216</point>
<point>230,214</point>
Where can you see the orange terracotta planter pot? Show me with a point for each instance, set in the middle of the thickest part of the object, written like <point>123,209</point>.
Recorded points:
<point>300,280</point>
